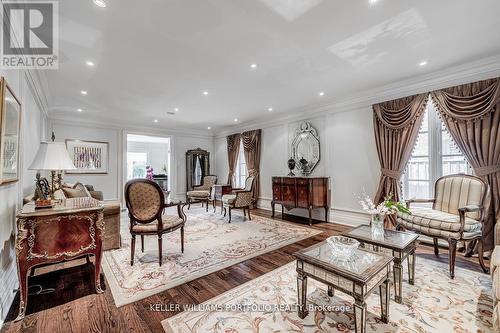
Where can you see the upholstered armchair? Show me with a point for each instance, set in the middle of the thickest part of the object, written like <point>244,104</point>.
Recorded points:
<point>458,210</point>
<point>241,198</point>
<point>146,208</point>
<point>201,193</point>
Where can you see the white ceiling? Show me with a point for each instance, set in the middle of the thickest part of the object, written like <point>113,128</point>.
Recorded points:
<point>157,55</point>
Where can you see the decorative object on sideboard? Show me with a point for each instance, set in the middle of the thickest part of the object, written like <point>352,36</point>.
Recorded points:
<point>10,128</point>
<point>291,166</point>
<point>197,167</point>
<point>53,157</point>
<point>304,168</point>
<point>306,147</point>
<point>42,193</point>
<point>89,157</point>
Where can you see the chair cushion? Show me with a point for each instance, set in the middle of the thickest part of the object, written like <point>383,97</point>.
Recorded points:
<point>198,194</point>
<point>228,198</point>
<point>169,221</point>
<point>437,223</point>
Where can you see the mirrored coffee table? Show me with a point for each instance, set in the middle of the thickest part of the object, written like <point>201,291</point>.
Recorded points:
<point>357,277</point>
<point>400,244</point>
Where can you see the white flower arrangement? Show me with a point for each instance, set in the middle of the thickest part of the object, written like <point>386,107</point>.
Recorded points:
<point>386,207</point>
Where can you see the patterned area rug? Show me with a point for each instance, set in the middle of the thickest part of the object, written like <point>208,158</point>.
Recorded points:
<point>211,244</point>
<point>434,304</point>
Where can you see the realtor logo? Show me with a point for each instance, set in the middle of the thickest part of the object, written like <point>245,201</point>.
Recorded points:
<point>30,35</point>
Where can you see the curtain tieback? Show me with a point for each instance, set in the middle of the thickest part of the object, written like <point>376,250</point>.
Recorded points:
<point>394,174</point>
<point>487,170</point>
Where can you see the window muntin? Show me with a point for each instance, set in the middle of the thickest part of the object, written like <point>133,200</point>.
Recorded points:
<point>435,154</point>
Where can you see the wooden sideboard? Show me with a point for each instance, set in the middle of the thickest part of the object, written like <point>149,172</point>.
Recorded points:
<point>302,192</point>
<point>73,228</point>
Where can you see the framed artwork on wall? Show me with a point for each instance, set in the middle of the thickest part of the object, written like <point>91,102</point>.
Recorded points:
<point>10,129</point>
<point>89,157</point>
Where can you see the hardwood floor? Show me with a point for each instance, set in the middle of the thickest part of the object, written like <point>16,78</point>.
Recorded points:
<point>74,307</point>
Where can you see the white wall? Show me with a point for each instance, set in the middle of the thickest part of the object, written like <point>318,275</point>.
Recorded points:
<point>348,157</point>
<point>34,123</point>
<point>112,183</point>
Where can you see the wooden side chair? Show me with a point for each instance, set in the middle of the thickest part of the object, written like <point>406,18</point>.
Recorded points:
<point>146,208</point>
<point>201,193</point>
<point>460,206</point>
<point>241,198</point>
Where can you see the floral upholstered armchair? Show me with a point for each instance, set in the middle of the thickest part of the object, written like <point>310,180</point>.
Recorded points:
<point>201,193</point>
<point>241,198</point>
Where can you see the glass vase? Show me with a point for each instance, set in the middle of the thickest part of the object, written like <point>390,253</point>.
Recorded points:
<point>377,221</point>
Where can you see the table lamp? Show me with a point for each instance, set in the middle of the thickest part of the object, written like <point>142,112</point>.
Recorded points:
<point>53,157</point>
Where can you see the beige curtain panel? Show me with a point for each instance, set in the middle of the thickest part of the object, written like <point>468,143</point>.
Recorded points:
<point>251,145</point>
<point>471,112</point>
<point>396,124</point>
<point>233,147</point>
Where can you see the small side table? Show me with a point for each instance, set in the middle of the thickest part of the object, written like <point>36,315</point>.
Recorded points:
<point>357,277</point>
<point>218,191</point>
<point>400,244</point>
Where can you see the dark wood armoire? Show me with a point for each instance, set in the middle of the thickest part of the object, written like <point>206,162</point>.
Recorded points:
<point>302,192</point>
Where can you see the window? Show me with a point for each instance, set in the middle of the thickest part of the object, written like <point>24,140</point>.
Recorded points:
<point>241,169</point>
<point>435,154</point>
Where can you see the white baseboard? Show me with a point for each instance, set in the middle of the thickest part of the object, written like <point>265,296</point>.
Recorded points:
<point>338,215</point>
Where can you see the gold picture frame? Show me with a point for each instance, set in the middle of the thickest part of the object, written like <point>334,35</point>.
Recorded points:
<point>10,133</point>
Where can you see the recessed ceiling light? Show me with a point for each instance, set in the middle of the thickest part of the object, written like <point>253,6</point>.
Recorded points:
<point>372,2</point>
<point>235,120</point>
<point>209,128</point>
<point>321,93</point>
<point>205,93</point>
<point>79,110</point>
<point>270,109</point>
<point>90,63</point>
<point>100,3</point>
<point>83,92</point>
<point>253,66</point>
<point>423,63</point>
<point>156,120</point>
<point>176,109</point>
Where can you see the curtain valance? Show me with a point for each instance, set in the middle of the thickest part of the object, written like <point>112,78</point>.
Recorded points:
<point>400,113</point>
<point>468,102</point>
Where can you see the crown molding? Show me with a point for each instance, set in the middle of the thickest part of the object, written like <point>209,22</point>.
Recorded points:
<point>469,72</point>
<point>113,125</point>
<point>37,84</point>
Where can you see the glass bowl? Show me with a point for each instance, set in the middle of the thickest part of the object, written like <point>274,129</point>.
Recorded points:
<point>343,247</point>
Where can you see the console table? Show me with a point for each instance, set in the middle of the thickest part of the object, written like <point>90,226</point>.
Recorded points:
<point>71,229</point>
<point>302,192</point>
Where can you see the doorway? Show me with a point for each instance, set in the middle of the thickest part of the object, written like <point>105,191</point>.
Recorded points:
<point>151,153</point>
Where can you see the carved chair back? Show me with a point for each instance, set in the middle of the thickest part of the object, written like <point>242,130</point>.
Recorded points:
<point>144,199</point>
<point>207,183</point>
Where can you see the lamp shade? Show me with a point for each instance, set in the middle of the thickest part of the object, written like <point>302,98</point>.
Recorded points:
<point>52,156</point>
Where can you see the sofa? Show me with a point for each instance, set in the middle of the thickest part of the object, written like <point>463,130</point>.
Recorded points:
<point>495,275</point>
<point>112,210</point>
